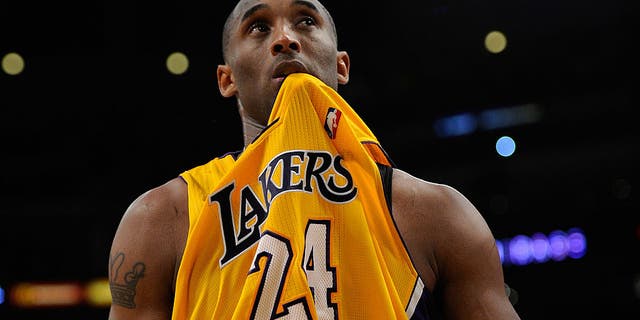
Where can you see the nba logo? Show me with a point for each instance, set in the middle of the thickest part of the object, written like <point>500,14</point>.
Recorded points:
<point>331,122</point>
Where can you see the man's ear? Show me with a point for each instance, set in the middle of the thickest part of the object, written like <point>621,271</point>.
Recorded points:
<point>226,83</point>
<point>343,67</point>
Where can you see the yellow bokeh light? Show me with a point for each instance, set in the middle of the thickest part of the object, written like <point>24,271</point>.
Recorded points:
<point>177,63</point>
<point>31,295</point>
<point>12,63</point>
<point>98,293</point>
<point>495,42</point>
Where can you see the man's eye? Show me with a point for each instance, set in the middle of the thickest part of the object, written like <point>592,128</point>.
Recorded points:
<point>258,27</point>
<point>308,21</point>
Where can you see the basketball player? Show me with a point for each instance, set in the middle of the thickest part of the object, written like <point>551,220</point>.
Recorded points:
<point>311,220</point>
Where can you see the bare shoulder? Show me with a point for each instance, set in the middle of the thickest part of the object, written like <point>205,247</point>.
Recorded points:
<point>156,202</point>
<point>452,246</point>
<point>439,218</point>
<point>430,216</point>
<point>157,212</point>
<point>146,251</point>
<point>429,203</point>
<point>410,188</point>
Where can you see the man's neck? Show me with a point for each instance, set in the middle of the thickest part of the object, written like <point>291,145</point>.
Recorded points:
<point>251,129</point>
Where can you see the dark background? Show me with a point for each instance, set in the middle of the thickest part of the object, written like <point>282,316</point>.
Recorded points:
<point>95,119</point>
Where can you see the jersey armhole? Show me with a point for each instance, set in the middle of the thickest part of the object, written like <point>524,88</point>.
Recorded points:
<point>386,174</point>
<point>424,305</point>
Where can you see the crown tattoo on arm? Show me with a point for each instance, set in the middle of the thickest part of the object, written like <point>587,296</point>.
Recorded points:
<point>123,291</point>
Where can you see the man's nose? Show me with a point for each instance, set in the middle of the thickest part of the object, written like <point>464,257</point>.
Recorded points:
<point>285,42</point>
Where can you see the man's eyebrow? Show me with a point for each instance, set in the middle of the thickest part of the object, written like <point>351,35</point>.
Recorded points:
<point>252,10</point>
<point>306,4</point>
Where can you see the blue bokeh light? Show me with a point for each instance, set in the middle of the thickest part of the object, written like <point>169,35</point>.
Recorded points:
<point>577,243</point>
<point>505,146</point>
<point>500,247</point>
<point>559,245</point>
<point>520,250</point>
<point>539,248</point>
<point>456,125</point>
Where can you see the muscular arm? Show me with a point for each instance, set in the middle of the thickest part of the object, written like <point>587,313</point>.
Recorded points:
<point>454,249</point>
<point>145,254</point>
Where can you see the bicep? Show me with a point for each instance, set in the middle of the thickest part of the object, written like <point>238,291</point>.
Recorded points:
<point>471,275</point>
<point>140,264</point>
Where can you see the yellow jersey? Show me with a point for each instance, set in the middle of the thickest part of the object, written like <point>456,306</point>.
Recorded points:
<point>297,225</point>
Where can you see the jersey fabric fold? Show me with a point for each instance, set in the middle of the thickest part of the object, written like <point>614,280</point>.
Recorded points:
<point>297,225</point>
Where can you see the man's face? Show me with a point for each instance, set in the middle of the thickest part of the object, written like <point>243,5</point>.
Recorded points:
<point>270,39</point>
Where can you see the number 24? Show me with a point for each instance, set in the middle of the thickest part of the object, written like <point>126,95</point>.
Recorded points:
<point>320,275</point>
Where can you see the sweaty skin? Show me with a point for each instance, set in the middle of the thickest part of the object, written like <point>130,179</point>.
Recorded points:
<point>265,40</point>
